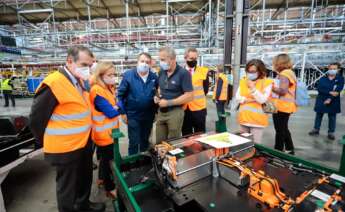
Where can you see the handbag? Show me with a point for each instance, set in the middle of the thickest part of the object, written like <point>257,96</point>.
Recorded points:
<point>268,107</point>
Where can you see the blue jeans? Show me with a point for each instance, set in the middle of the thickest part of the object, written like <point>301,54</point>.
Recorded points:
<point>331,121</point>
<point>138,133</point>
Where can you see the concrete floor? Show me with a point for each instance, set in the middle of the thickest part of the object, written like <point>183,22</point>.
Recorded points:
<point>31,186</point>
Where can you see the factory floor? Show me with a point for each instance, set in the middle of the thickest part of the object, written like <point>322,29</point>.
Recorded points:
<point>31,186</point>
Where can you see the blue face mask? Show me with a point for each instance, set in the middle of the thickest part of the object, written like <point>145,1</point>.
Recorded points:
<point>332,72</point>
<point>143,68</point>
<point>252,76</point>
<point>164,65</point>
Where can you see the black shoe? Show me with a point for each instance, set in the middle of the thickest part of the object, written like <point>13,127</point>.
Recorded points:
<point>331,136</point>
<point>5,105</point>
<point>91,207</point>
<point>314,133</point>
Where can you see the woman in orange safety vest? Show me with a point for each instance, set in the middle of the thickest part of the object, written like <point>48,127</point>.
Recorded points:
<point>254,90</point>
<point>105,118</point>
<point>284,92</point>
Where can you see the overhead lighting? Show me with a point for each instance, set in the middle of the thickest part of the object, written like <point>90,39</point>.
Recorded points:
<point>285,26</point>
<point>35,11</point>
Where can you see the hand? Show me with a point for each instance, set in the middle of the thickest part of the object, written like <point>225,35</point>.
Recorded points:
<point>116,107</point>
<point>250,84</point>
<point>334,93</point>
<point>163,103</point>
<point>156,99</point>
<point>124,119</point>
<point>327,102</point>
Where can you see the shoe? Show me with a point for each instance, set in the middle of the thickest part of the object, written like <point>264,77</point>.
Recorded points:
<point>314,132</point>
<point>5,105</point>
<point>91,207</point>
<point>331,136</point>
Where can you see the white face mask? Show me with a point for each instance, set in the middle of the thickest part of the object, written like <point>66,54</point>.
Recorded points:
<point>109,80</point>
<point>83,72</point>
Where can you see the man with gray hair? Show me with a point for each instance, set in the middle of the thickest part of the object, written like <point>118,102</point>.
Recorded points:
<point>175,90</point>
<point>61,122</point>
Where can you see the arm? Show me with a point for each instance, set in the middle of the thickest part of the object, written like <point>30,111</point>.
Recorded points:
<point>283,86</point>
<point>186,97</point>
<point>262,97</point>
<point>122,91</point>
<point>340,85</point>
<point>102,105</point>
<point>219,88</point>
<point>238,96</point>
<point>42,108</point>
<point>206,84</point>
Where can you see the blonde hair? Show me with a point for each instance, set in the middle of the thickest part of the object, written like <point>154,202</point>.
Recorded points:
<point>282,62</point>
<point>100,70</point>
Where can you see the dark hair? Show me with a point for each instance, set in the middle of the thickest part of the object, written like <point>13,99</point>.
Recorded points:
<point>335,64</point>
<point>145,54</point>
<point>73,52</point>
<point>282,62</point>
<point>260,66</point>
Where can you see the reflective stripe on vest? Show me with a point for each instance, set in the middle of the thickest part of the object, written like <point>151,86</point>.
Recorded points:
<point>106,126</point>
<point>70,131</point>
<point>251,109</point>
<point>98,118</point>
<point>58,117</point>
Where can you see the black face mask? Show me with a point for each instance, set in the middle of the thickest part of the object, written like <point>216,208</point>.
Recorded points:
<point>192,63</point>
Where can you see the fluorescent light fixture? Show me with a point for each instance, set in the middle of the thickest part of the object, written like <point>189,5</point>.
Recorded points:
<point>35,11</point>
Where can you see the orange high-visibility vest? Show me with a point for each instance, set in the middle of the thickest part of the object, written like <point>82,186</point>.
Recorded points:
<point>252,113</point>
<point>102,125</point>
<point>70,124</point>
<point>287,103</point>
<point>199,100</point>
<point>224,93</point>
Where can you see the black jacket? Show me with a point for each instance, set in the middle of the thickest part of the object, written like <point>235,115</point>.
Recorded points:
<point>42,108</point>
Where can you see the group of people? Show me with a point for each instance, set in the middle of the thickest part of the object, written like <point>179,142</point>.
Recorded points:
<point>257,89</point>
<point>73,109</point>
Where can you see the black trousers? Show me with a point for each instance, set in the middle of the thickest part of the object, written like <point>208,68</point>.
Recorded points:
<point>221,110</point>
<point>106,157</point>
<point>8,95</point>
<point>194,121</point>
<point>74,180</point>
<point>283,135</point>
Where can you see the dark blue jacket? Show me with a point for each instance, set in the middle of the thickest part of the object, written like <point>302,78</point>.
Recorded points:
<point>137,96</point>
<point>324,87</point>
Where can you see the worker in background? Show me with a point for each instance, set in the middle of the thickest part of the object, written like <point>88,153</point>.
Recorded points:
<point>60,119</point>
<point>328,99</point>
<point>175,90</point>
<point>220,92</point>
<point>105,118</point>
<point>195,111</point>
<point>136,92</point>
<point>254,90</point>
<point>284,97</point>
<point>7,90</point>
